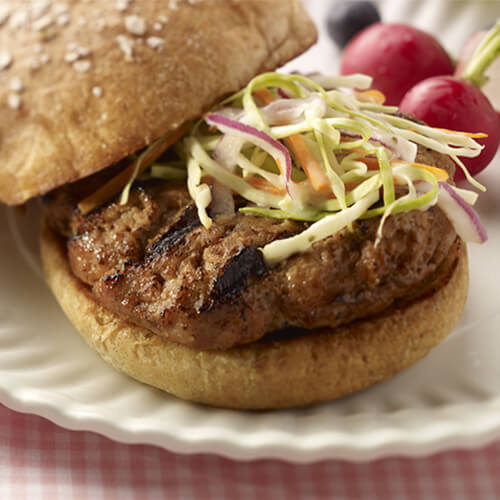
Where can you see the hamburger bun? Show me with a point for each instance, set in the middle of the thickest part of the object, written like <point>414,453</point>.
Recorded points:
<point>87,85</point>
<point>84,84</point>
<point>315,367</point>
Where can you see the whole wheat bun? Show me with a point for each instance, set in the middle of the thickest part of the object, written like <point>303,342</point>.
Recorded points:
<point>85,83</point>
<point>272,374</point>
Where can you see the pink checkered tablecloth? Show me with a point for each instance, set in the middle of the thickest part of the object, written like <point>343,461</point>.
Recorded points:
<point>39,460</point>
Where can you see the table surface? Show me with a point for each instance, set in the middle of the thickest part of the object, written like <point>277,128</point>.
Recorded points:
<point>39,460</point>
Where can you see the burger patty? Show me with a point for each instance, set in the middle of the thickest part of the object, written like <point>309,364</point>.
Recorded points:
<point>154,264</point>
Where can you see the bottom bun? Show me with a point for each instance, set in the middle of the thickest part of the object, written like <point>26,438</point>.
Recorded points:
<point>314,367</point>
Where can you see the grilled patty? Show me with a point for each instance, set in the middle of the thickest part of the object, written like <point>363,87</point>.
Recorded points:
<point>154,264</point>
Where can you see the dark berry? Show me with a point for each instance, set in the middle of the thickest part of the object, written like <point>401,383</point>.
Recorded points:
<point>347,18</point>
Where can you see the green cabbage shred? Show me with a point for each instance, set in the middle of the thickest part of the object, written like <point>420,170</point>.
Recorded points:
<point>349,131</point>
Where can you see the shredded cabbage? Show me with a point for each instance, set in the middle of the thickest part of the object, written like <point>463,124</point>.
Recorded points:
<point>331,224</point>
<point>198,191</point>
<point>351,154</point>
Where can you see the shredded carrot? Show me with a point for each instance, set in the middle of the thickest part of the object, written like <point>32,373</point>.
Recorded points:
<point>371,96</point>
<point>314,172</point>
<point>264,185</point>
<point>370,161</point>
<point>280,166</point>
<point>372,164</point>
<point>479,135</point>
<point>349,186</point>
<point>265,96</point>
<point>116,184</point>
<point>439,173</point>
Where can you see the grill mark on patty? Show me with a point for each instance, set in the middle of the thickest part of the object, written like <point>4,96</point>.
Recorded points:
<point>175,234</point>
<point>153,264</point>
<point>234,276</point>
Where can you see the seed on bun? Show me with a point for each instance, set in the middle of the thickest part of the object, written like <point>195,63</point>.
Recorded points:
<point>84,84</point>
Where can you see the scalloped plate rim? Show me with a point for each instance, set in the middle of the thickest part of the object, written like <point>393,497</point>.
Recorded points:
<point>408,444</point>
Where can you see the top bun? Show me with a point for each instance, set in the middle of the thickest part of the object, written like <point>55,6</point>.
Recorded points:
<point>85,83</point>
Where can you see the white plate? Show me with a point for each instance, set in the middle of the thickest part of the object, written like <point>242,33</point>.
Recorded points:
<point>449,399</point>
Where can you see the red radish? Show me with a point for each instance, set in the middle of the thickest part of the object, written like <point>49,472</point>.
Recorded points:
<point>396,56</point>
<point>457,103</point>
<point>453,103</point>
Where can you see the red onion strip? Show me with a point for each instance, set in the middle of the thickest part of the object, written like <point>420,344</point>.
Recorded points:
<point>282,93</point>
<point>378,141</point>
<point>463,217</point>
<point>263,140</point>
